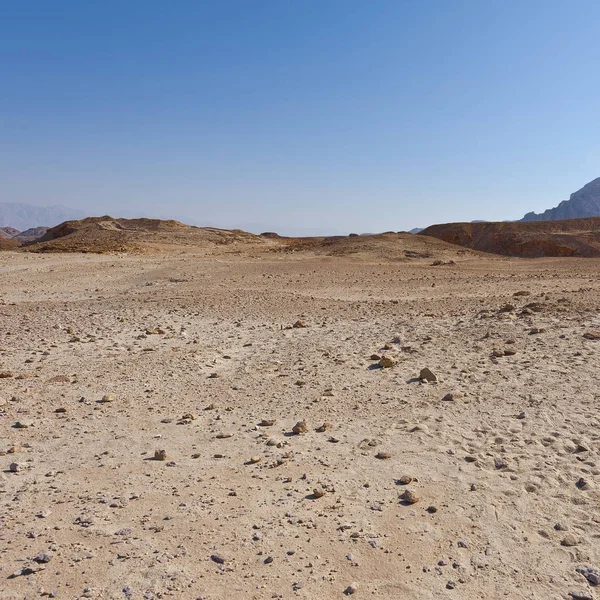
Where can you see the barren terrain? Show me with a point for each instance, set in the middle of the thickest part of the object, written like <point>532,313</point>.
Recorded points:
<point>148,406</point>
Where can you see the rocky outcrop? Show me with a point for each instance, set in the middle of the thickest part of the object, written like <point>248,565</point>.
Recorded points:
<point>29,235</point>
<point>582,204</point>
<point>573,237</point>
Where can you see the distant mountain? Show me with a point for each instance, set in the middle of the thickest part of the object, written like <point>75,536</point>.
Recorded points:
<point>416,230</point>
<point>8,232</point>
<point>583,203</point>
<point>29,235</point>
<point>26,216</point>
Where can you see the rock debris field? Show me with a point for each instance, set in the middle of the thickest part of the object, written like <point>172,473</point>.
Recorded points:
<point>229,426</point>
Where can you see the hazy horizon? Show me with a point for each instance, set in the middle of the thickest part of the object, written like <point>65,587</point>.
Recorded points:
<point>300,118</point>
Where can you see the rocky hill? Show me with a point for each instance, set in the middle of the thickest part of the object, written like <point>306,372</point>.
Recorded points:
<point>30,235</point>
<point>582,203</point>
<point>8,232</point>
<point>107,234</point>
<point>573,237</point>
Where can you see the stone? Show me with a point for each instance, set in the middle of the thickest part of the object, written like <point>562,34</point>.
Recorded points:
<point>6,374</point>
<point>449,397</point>
<point>267,422</point>
<point>404,479</point>
<point>160,455</point>
<point>14,467</point>
<point>299,428</point>
<point>351,589</point>
<point>43,557</point>
<point>409,497</point>
<point>386,362</point>
<point>299,325</point>
<point>427,375</point>
<point>255,459</point>
<point>588,335</point>
<point>218,558</point>
<point>383,455</point>
<point>107,398</point>
<point>581,595</point>
<point>24,424</point>
<point>591,574</point>
<point>318,492</point>
<point>323,428</point>
<point>569,541</point>
<point>375,357</point>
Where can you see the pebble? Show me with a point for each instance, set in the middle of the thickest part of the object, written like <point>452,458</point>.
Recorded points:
<point>383,455</point>
<point>318,492</point>
<point>386,362</point>
<point>267,422</point>
<point>107,398</point>
<point>218,558</point>
<point>14,467</point>
<point>43,557</point>
<point>24,424</point>
<point>300,427</point>
<point>409,497</point>
<point>160,455</point>
<point>351,589</point>
<point>569,541</point>
<point>427,375</point>
<point>591,574</point>
<point>404,479</point>
<point>255,459</point>
<point>323,428</point>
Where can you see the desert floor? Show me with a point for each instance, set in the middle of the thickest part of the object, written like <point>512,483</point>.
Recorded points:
<point>191,353</point>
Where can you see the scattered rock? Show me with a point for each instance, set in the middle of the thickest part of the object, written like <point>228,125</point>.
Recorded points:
<point>351,589</point>
<point>591,574</point>
<point>386,362</point>
<point>383,455</point>
<point>43,557</point>
<point>218,558</point>
<point>318,492</point>
<point>404,479</point>
<point>300,427</point>
<point>299,325</point>
<point>569,541</point>
<point>588,335</point>
<point>107,398</point>
<point>427,375</point>
<point>267,422</point>
<point>323,428</point>
<point>409,497</point>
<point>160,455</point>
<point>24,424</point>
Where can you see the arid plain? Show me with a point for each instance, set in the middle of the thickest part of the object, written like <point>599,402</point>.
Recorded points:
<point>149,402</point>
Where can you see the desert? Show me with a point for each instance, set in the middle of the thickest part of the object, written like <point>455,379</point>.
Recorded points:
<point>298,419</point>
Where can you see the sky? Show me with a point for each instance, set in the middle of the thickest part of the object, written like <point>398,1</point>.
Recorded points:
<point>300,116</point>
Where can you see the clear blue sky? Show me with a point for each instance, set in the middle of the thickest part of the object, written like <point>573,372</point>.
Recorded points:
<point>300,115</point>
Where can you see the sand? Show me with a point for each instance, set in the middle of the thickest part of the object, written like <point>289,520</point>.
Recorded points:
<point>109,359</point>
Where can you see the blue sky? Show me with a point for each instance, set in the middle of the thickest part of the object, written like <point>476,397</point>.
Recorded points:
<point>300,116</point>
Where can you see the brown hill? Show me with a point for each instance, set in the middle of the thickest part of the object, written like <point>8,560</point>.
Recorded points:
<point>570,237</point>
<point>8,232</point>
<point>106,234</point>
<point>384,246</point>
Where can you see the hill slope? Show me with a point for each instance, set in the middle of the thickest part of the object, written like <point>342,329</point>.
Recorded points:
<point>573,237</point>
<point>582,204</point>
<point>106,234</point>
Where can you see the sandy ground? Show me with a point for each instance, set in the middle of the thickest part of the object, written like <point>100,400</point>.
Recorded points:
<point>192,353</point>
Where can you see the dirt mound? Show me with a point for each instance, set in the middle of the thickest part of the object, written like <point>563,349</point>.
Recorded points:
<point>105,235</point>
<point>570,237</point>
<point>390,246</point>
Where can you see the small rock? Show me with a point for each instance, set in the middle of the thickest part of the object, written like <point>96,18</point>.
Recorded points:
<point>300,427</point>
<point>591,574</point>
<point>569,541</point>
<point>448,398</point>
<point>323,428</point>
<point>267,422</point>
<point>427,375</point>
<point>24,424</point>
<point>409,497</point>
<point>404,479</point>
<point>351,589</point>
<point>299,325</point>
<point>43,557</point>
<point>14,467</point>
<point>160,455</point>
<point>218,558</point>
<point>318,492</point>
<point>386,362</point>
<point>255,459</point>
<point>383,455</point>
<point>107,398</point>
